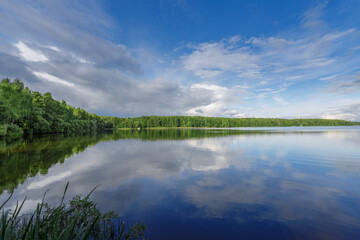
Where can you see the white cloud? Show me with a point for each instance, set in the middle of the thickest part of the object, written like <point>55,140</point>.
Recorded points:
<point>112,79</point>
<point>51,78</point>
<point>269,59</point>
<point>349,112</point>
<point>220,97</point>
<point>54,48</point>
<point>210,59</point>
<point>29,54</point>
<point>219,92</point>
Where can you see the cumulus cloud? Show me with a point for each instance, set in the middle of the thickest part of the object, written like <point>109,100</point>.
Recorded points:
<point>349,112</point>
<point>220,97</point>
<point>269,65</point>
<point>59,49</point>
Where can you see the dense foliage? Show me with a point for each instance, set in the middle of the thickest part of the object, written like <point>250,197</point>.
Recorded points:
<point>23,111</point>
<point>79,219</point>
<point>218,122</point>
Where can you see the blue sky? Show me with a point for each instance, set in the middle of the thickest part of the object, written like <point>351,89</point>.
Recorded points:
<point>211,58</point>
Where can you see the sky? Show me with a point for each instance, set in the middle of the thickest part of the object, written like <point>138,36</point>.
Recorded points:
<point>236,58</point>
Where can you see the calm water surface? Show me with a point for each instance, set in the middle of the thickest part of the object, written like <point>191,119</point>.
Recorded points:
<point>264,183</point>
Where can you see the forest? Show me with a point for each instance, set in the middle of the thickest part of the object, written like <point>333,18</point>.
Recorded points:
<point>26,112</point>
<point>218,122</point>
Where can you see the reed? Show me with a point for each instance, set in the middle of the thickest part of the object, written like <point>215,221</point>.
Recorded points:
<point>78,219</point>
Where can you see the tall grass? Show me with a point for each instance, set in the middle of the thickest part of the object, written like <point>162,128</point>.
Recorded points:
<point>78,219</point>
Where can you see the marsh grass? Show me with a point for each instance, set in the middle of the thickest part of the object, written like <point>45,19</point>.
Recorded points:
<point>79,219</point>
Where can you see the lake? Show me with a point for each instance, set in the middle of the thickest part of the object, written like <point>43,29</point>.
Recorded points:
<point>253,183</point>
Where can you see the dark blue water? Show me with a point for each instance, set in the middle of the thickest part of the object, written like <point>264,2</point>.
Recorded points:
<point>282,183</point>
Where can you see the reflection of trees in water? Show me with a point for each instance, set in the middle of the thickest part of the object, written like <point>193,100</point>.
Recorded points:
<point>26,158</point>
<point>22,159</point>
<point>181,134</point>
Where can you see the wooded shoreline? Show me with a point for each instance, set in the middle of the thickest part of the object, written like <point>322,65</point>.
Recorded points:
<point>25,112</point>
<point>151,122</point>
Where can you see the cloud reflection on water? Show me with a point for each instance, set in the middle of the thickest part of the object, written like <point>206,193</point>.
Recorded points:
<point>285,178</point>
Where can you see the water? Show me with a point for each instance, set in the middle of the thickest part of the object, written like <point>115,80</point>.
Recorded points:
<point>257,183</point>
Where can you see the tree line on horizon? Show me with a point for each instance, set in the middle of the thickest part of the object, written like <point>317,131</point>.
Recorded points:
<point>26,112</point>
<point>218,122</point>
